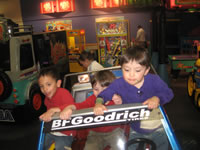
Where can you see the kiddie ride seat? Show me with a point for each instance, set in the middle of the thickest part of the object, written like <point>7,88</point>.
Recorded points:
<point>121,114</point>
<point>84,119</point>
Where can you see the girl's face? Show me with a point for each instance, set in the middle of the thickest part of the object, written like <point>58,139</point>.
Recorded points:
<point>85,63</point>
<point>97,89</point>
<point>134,73</point>
<point>48,85</point>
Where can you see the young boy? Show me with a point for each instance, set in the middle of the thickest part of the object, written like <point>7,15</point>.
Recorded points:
<point>138,86</point>
<point>86,59</point>
<point>100,137</point>
<point>55,97</point>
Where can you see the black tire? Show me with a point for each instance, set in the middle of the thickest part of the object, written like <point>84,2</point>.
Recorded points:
<point>141,143</point>
<point>36,103</point>
<point>191,85</point>
<point>5,86</point>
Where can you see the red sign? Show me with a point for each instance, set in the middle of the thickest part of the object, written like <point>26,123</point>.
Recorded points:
<point>1,33</point>
<point>184,4</point>
<point>114,3</point>
<point>98,3</point>
<point>47,7</point>
<point>65,5</point>
<point>106,3</point>
<point>57,6</point>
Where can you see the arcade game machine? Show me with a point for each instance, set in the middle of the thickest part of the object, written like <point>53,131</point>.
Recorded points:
<point>76,43</point>
<point>112,39</point>
<point>190,47</point>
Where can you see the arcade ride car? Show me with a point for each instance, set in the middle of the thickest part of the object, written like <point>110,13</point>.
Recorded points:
<point>193,84</point>
<point>190,47</point>
<point>121,114</point>
<point>23,54</point>
<point>18,71</point>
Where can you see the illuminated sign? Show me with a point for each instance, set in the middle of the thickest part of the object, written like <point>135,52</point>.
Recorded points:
<point>65,5</point>
<point>106,3</point>
<point>184,3</point>
<point>1,32</point>
<point>98,4</point>
<point>47,7</point>
<point>59,25</point>
<point>57,6</point>
<point>114,3</point>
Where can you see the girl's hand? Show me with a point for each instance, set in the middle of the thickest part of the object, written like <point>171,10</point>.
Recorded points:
<point>152,102</point>
<point>99,109</point>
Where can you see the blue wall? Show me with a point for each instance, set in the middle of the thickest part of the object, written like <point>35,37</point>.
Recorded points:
<point>83,17</point>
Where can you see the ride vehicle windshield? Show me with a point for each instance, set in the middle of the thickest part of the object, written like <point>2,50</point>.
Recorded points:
<point>5,56</point>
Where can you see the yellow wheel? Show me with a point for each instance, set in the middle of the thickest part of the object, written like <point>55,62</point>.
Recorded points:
<point>191,85</point>
<point>197,102</point>
<point>52,146</point>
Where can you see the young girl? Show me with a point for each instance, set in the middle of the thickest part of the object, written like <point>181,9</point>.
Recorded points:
<point>100,137</point>
<point>55,97</point>
<point>86,59</point>
<point>139,86</point>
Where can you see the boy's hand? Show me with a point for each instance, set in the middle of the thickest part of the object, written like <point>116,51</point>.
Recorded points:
<point>99,108</point>
<point>67,112</point>
<point>152,102</point>
<point>117,99</point>
<point>46,117</point>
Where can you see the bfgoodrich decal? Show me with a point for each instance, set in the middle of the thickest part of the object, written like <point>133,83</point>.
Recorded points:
<point>86,118</point>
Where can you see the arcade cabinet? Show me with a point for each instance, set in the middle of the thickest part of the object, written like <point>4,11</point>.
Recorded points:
<point>76,44</point>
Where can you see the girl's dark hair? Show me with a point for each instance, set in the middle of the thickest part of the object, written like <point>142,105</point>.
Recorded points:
<point>86,55</point>
<point>49,71</point>
<point>138,54</point>
<point>103,77</point>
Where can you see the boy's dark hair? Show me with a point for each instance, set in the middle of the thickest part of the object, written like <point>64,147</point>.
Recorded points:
<point>86,55</point>
<point>104,78</point>
<point>138,54</point>
<point>49,71</point>
<point>139,26</point>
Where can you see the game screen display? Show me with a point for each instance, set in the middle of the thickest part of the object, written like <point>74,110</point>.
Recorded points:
<point>80,96</point>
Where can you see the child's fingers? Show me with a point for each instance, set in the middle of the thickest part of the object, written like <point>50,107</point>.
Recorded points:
<point>145,103</point>
<point>152,105</point>
<point>62,116</point>
<point>105,108</point>
<point>107,102</point>
<point>99,110</point>
<point>66,114</point>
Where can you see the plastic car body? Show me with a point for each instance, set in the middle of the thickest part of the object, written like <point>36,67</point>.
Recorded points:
<point>193,87</point>
<point>22,55</point>
<point>82,90</point>
<point>18,71</point>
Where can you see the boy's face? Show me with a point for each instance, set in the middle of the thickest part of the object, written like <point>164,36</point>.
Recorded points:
<point>85,63</point>
<point>134,73</point>
<point>48,85</point>
<point>97,89</point>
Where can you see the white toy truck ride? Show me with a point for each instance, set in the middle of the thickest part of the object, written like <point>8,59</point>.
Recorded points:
<point>18,71</point>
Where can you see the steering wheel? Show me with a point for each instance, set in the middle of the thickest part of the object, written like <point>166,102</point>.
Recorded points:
<point>142,142</point>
